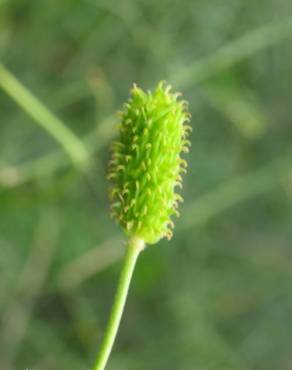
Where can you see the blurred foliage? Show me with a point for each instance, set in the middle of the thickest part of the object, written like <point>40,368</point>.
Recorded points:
<point>218,295</point>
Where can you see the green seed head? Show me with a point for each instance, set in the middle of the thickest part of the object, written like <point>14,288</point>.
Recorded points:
<point>146,163</point>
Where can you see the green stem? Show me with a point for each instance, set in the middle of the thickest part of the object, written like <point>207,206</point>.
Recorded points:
<point>135,246</point>
<point>45,118</point>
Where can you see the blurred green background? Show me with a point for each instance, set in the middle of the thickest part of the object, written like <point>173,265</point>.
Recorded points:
<point>218,295</point>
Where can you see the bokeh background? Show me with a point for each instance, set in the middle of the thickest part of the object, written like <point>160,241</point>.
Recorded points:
<point>218,295</point>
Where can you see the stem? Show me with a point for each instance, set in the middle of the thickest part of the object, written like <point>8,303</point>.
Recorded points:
<point>70,143</point>
<point>135,246</point>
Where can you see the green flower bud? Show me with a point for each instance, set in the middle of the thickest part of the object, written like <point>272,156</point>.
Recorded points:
<point>146,163</point>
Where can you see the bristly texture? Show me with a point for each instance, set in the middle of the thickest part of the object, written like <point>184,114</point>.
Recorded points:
<point>146,165</point>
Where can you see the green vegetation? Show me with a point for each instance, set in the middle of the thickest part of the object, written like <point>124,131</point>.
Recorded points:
<point>146,164</point>
<point>215,297</point>
<point>145,169</point>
